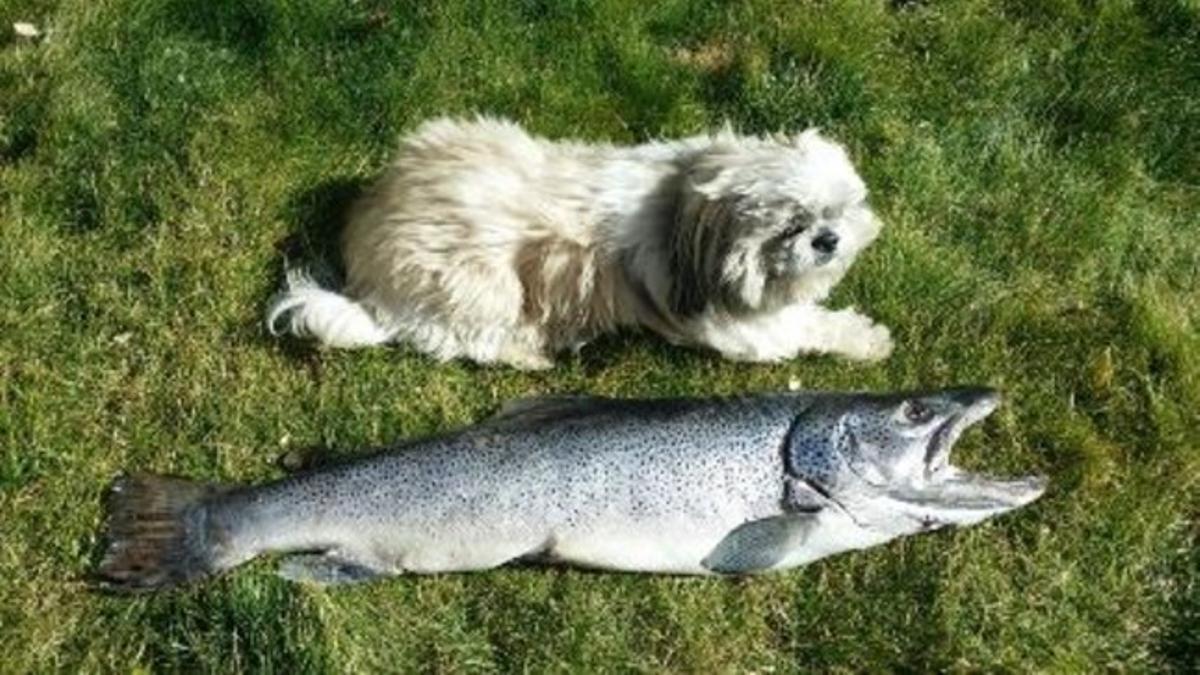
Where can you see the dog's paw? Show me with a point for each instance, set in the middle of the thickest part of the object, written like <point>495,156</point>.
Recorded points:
<point>528,361</point>
<point>881,343</point>
<point>877,343</point>
<point>874,343</point>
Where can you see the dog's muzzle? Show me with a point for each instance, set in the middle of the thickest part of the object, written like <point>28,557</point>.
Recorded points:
<point>825,245</point>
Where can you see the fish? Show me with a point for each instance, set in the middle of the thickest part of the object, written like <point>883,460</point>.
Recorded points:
<point>691,486</point>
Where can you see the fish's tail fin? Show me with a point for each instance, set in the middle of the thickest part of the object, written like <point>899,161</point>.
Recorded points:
<point>158,533</point>
<point>332,318</point>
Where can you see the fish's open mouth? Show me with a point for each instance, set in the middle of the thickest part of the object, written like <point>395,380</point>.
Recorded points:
<point>953,495</point>
<point>977,405</point>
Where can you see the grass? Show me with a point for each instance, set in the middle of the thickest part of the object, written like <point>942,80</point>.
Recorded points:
<point>1036,164</point>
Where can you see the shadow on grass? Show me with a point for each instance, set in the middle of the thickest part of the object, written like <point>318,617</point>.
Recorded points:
<point>598,355</point>
<point>1179,647</point>
<point>317,216</point>
<point>795,87</point>
<point>236,624</point>
<point>243,27</point>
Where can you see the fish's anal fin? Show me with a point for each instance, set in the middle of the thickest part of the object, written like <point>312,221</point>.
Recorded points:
<point>326,569</point>
<point>760,545</point>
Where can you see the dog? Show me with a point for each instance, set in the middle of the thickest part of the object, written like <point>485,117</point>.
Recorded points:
<point>485,242</point>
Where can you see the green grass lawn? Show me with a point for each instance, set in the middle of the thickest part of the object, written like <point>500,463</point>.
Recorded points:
<point>1038,168</point>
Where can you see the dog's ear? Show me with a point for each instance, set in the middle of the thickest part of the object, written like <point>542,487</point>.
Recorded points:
<point>698,245</point>
<point>743,280</point>
<point>711,258</point>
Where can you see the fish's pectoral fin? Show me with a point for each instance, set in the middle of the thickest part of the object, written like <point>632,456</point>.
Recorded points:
<point>760,545</point>
<point>326,569</point>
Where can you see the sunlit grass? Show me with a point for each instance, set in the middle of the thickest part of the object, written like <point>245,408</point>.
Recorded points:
<point>1035,163</point>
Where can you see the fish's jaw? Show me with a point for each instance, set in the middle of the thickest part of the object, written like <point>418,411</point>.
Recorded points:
<point>977,404</point>
<point>944,494</point>
<point>962,498</point>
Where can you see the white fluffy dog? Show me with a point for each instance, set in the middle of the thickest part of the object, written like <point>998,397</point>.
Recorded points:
<point>482,241</point>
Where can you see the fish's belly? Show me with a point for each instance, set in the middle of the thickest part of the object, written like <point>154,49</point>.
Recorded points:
<point>668,547</point>
<point>455,549</point>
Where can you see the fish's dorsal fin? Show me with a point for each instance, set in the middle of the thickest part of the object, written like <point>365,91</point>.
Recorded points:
<point>545,408</point>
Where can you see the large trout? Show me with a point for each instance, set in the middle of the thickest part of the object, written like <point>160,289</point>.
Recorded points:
<point>678,486</point>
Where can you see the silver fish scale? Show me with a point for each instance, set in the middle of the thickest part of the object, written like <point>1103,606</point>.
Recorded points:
<point>514,487</point>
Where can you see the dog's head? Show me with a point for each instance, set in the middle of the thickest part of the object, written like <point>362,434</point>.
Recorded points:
<point>767,220</point>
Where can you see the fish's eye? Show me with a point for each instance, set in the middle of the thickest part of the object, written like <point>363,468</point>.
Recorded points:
<point>917,412</point>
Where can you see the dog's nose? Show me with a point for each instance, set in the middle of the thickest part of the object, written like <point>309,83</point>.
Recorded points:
<point>825,242</point>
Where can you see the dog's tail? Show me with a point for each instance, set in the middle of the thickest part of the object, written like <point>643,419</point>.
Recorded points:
<point>332,318</point>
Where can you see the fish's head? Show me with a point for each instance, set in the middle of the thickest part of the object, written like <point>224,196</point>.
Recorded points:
<point>894,449</point>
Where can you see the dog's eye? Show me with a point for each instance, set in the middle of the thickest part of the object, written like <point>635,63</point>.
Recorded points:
<point>797,224</point>
<point>831,212</point>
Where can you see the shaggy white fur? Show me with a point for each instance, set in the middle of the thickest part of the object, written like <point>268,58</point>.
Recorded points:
<point>484,242</point>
